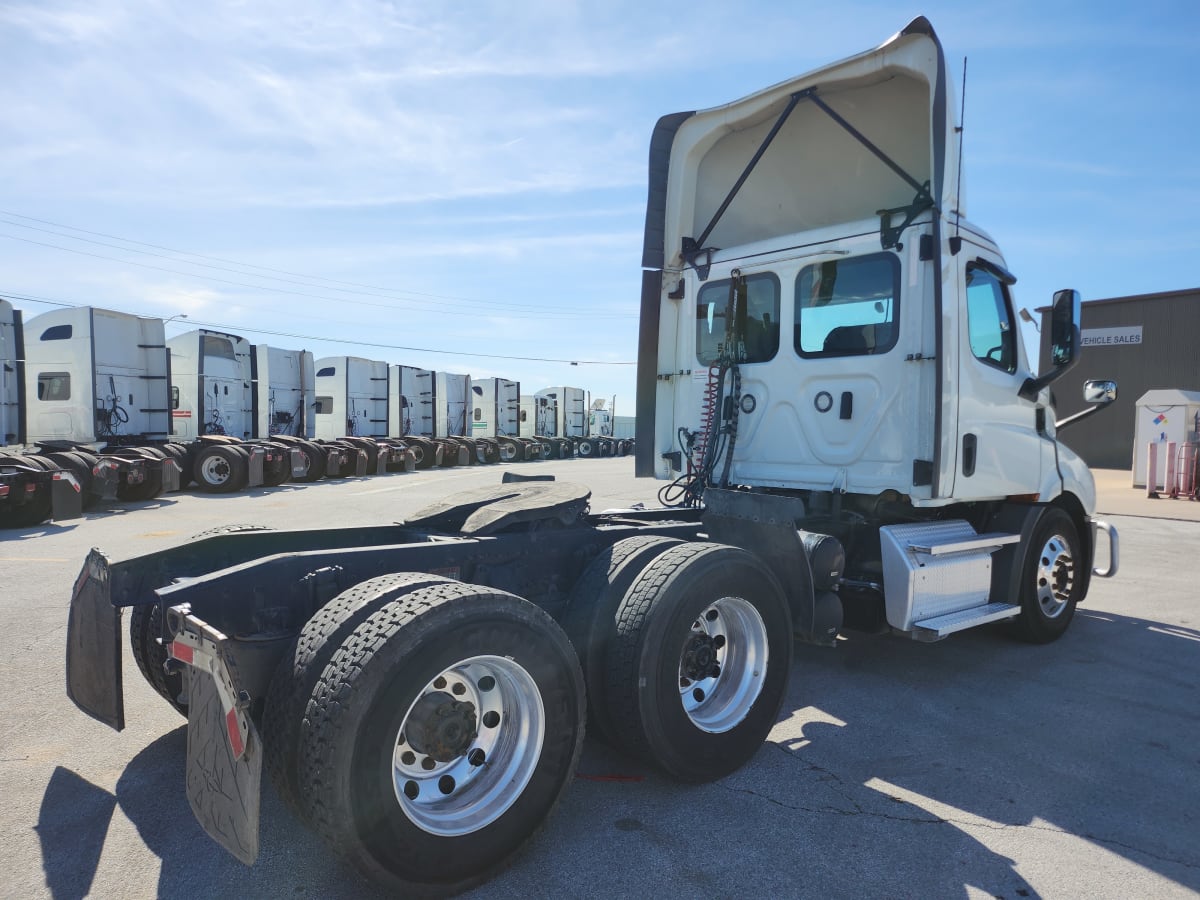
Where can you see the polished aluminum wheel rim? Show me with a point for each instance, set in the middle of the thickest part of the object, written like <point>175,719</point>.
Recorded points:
<point>1055,576</point>
<point>718,695</point>
<point>494,764</point>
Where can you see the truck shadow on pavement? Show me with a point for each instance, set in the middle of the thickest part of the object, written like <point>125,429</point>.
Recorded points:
<point>895,769</point>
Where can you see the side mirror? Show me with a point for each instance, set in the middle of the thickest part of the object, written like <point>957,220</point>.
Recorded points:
<point>1065,314</point>
<point>1099,391</point>
<point>1065,340</point>
<point>1100,394</point>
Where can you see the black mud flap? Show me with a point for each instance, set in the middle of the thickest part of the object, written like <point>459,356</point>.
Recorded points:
<point>66,497</point>
<point>94,645</point>
<point>106,477</point>
<point>222,790</point>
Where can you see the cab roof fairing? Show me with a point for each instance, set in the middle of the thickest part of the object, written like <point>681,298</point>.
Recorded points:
<point>897,95</point>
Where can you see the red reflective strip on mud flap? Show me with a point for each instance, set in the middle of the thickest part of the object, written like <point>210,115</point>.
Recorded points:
<point>235,735</point>
<point>182,652</point>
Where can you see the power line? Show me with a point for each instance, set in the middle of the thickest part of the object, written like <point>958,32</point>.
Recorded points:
<point>234,329</point>
<point>277,290</point>
<point>246,265</point>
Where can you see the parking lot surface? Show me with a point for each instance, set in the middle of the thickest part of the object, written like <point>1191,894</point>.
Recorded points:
<point>973,767</point>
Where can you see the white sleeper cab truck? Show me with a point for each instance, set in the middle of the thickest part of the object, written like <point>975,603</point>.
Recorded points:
<point>496,415</point>
<point>411,404</point>
<point>284,401</point>
<point>831,346</point>
<point>97,393</point>
<point>33,486</point>
<point>570,409</point>
<point>846,417</point>
<point>352,410</point>
<point>212,411</point>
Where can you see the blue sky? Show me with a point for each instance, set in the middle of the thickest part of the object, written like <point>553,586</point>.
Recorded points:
<point>471,177</point>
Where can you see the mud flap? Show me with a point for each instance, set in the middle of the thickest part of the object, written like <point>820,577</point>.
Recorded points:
<point>94,645</point>
<point>299,462</point>
<point>171,473</point>
<point>66,497</point>
<point>258,458</point>
<point>223,790</point>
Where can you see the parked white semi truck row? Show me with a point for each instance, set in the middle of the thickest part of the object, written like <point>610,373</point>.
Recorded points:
<point>98,403</point>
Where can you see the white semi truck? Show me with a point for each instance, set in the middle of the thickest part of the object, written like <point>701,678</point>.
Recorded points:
<point>352,409</point>
<point>496,415</point>
<point>33,486</point>
<point>853,437</point>
<point>96,399</point>
<point>570,405</point>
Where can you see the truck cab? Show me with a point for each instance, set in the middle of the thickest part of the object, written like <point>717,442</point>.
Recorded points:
<point>822,322</point>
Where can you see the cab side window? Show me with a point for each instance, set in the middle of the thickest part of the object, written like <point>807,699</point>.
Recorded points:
<point>761,330</point>
<point>990,328</point>
<point>848,307</point>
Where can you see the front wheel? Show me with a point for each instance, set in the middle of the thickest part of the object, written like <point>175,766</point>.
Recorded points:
<point>440,736</point>
<point>698,667</point>
<point>1051,579</point>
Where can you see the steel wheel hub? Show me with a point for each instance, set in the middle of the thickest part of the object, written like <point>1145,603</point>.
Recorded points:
<point>1055,576</point>
<point>722,665</point>
<point>468,745</point>
<point>216,470</point>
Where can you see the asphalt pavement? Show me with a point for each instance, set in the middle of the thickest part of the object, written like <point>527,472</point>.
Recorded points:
<point>974,767</point>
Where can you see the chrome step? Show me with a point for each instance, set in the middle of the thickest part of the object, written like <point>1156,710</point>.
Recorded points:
<point>941,626</point>
<point>990,541</point>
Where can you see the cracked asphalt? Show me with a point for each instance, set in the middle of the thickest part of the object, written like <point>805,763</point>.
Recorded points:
<point>974,767</point>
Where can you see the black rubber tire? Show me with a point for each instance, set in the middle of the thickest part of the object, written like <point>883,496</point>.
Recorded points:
<point>585,449</point>
<point>225,460</point>
<point>368,446</point>
<point>362,698</point>
<point>38,509</point>
<point>1055,531</point>
<point>242,479</point>
<point>422,450</point>
<point>145,638</point>
<point>589,617</point>
<point>152,485</point>
<point>296,676</point>
<point>653,624</point>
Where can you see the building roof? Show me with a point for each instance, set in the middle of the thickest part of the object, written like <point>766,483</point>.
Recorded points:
<point>1169,397</point>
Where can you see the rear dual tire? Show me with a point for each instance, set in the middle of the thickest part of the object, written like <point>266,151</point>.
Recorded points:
<point>698,666</point>
<point>440,734</point>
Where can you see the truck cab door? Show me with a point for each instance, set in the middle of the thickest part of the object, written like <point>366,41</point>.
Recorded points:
<point>1002,444</point>
<point>834,390</point>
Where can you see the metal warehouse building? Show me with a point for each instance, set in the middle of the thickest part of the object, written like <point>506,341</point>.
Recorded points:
<point>1146,342</point>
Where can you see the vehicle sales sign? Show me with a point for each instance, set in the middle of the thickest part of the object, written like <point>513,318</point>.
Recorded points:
<point>1124,336</point>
